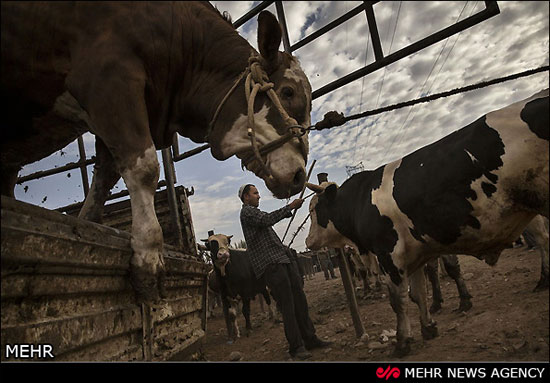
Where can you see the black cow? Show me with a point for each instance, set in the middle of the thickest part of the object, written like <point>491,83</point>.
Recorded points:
<point>472,192</point>
<point>236,279</point>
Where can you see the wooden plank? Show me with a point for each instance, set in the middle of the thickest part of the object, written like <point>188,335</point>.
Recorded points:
<point>64,283</point>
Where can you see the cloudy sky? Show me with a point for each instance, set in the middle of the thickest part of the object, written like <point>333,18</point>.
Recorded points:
<point>515,40</point>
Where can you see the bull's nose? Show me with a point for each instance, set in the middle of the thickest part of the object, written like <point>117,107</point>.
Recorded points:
<point>299,178</point>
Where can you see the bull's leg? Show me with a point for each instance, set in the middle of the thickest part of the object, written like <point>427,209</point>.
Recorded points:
<point>538,227</point>
<point>418,293</point>
<point>432,269</point>
<point>112,91</point>
<point>398,301</point>
<point>450,262</point>
<point>147,263</point>
<point>105,177</point>
<point>9,179</point>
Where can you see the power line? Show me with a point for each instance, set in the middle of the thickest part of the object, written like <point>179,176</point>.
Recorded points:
<point>400,131</point>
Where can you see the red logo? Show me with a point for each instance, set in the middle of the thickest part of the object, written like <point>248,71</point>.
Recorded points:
<point>388,372</point>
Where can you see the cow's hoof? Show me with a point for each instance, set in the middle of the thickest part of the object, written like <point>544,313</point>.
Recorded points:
<point>465,305</point>
<point>542,285</point>
<point>435,307</point>
<point>402,349</point>
<point>430,331</point>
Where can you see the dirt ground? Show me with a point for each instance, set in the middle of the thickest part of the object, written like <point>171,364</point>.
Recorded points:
<point>508,321</point>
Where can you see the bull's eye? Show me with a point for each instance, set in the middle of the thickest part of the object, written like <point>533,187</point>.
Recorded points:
<point>287,92</point>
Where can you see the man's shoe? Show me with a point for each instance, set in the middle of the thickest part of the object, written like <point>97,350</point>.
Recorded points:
<point>301,354</point>
<point>316,343</point>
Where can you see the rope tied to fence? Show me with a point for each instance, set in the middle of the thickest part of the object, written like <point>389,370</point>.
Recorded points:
<point>333,119</point>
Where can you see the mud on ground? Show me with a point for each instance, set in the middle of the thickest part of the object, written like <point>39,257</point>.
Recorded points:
<point>508,321</point>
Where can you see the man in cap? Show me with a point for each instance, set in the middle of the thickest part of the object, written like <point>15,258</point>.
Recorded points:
<point>270,260</point>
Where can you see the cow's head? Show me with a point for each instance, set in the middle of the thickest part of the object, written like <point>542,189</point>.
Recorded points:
<point>322,232</point>
<point>218,244</point>
<point>283,168</point>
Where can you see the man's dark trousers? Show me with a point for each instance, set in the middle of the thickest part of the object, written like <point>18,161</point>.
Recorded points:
<point>286,288</point>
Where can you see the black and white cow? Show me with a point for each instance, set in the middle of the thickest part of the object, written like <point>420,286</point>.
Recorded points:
<point>537,229</point>
<point>472,192</point>
<point>236,279</point>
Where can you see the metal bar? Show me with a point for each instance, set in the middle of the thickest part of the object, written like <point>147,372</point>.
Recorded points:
<point>75,165</point>
<point>253,12</point>
<point>333,24</point>
<point>83,169</point>
<point>123,193</point>
<point>171,196</point>
<point>191,152</point>
<point>282,21</point>
<point>490,11</point>
<point>175,147</point>
<point>373,29</point>
<point>61,169</point>
<point>301,195</point>
<point>350,293</point>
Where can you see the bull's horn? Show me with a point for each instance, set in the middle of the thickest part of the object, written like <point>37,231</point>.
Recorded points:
<point>313,187</point>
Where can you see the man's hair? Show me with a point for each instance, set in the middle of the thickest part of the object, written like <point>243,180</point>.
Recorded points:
<point>245,190</point>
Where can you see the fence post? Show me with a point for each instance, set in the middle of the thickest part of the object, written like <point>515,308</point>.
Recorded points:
<point>350,293</point>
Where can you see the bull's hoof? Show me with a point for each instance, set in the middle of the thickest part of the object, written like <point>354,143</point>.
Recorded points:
<point>402,349</point>
<point>542,285</point>
<point>435,307</point>
<point>145,286</point>
<point>430,331</point>
<point>465,305</point>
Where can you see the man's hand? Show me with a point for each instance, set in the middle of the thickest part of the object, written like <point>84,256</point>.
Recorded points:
<point>296,204</point>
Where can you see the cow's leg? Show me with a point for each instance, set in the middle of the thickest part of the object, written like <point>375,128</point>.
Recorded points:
<point>366,287</point>
<point>246,314</point>
<point>105,177</point>
<point>267,298</point>
<point>450,262</point>
<point>538,227</point>
<point>230,316</point>
<point>418,293</point>
<point>432,269</point>
<point>398,300</point>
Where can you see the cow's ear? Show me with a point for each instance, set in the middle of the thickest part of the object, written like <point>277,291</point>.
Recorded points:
<point>206,243</point>
<point>331,191</point>
<point>269,39</point>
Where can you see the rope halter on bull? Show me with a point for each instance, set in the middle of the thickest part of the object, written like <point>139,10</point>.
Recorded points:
<point>256,81</point>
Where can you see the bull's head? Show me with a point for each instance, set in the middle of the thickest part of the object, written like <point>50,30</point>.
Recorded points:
<point>283,167</point>
<point>322,232</point>
<point>218,244</point>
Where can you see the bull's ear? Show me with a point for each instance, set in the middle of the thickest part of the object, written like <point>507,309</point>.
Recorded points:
<point>331,191</point>
<point>230,236</point>
<point>269,39</point>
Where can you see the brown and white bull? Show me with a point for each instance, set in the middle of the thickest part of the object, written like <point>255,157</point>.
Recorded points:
<point>472,192</point>
<point>135,74</point>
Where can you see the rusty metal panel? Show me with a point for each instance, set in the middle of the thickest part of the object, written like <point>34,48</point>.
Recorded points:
<point>64,283</point>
